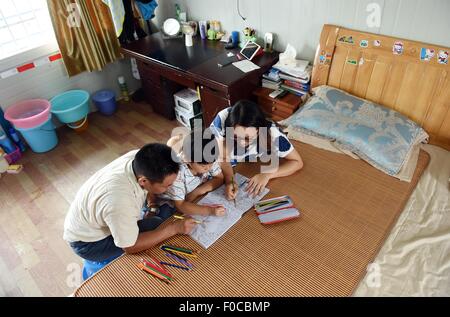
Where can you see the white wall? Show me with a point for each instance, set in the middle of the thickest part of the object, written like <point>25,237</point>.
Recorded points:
<point>52,79</point>
<point>300,22</point>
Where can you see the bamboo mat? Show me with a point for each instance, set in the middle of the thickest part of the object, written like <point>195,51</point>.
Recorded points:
<point>347,210</point>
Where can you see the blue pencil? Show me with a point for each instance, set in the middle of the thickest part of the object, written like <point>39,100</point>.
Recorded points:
<point>178,259</point>
<point>174,265</point>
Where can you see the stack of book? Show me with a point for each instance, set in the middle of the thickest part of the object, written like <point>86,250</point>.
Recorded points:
<point>272,79</point>
<point>295,79</point>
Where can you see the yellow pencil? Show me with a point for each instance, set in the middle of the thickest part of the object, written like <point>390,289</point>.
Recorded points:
<point>181,218</point>
<point>234,188</point>
<point>182,253</point>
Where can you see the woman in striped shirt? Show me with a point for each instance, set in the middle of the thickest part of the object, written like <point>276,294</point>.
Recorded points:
<point>244,134</point>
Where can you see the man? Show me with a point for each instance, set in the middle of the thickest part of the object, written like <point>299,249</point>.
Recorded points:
<point>104,219</point>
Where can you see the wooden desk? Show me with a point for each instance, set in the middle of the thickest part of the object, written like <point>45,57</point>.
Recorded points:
<point>167,66</point>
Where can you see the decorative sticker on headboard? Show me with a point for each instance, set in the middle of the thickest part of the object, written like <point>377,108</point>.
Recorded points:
<point>346,39</point>
<point>377,43</point>
<point>426,54</point>
<point>364,43</point>
<point>325,58</point>
<point>398,48</point>
<point>443,57</point>
<point>352,61</point>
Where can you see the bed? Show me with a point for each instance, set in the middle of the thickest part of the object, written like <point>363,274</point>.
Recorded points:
<point>353,215</point>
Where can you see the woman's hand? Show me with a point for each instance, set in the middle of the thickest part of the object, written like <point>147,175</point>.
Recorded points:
<point>257,183</point>
<point>231,191</point>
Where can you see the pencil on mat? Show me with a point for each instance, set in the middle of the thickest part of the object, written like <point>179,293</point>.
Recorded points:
<point>234,188</point>
<point>175,266</point>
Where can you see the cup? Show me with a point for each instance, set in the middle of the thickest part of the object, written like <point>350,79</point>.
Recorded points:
<point>188,41</point>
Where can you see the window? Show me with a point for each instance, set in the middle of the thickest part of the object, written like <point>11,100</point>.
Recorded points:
<point>24,25</point>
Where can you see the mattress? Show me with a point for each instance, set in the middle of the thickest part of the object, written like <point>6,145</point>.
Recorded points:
<point>415,258</point>
<point>347,207</point>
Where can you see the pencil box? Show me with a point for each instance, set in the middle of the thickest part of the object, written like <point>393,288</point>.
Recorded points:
<point>273,204</point>
<point>278,216</point>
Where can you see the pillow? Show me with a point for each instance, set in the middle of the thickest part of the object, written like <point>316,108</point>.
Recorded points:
<point>406,173</point>
<point>378,135</point>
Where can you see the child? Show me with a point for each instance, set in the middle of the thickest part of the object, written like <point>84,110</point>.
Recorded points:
<point>245,134</point>
<point>199,172</point>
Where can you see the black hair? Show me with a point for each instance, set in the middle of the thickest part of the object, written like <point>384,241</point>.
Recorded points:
<point>247,113</point>
<point>200,146</point>
<point>155,161</point>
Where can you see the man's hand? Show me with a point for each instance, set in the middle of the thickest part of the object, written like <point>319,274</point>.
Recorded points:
<point>231,191</point>
<point>257,184</point>
<point>184,226</point>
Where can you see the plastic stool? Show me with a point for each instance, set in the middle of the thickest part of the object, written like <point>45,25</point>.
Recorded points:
<point>92,267</point>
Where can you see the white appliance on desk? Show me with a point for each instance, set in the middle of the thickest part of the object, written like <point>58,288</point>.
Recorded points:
<point>187,107</point>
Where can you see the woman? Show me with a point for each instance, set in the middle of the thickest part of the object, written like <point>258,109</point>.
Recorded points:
<point>245,134</point>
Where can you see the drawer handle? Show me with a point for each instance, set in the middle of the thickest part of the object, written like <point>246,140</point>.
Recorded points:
<point>274,108</point>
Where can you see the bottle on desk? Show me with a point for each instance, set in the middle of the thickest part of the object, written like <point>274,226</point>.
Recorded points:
<point>124,88</point>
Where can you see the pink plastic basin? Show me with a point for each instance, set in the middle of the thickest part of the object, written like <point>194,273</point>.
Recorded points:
<point>29,113</point>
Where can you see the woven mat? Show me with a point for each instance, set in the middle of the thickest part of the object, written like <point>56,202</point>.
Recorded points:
<point>348,209</point>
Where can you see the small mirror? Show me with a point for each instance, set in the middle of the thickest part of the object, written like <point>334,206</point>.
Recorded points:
<point>171,27</point>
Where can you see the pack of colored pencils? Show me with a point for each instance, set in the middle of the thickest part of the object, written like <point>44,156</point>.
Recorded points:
<point>276,210</point>
<point>155,268</point>
<point>273,204</point>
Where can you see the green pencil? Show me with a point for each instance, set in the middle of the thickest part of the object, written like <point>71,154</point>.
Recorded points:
<point>177,248</point>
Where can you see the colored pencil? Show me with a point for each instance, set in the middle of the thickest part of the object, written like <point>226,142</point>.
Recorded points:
<point>157,265</point>
<point>177,255</point>
<point>267,203</point>
<point>157,271</point>
<point>191,255</point>
<point>181,260</point>
<point>176,266</point>
<point>142,267</point>
<point>266,208</point>
<point>271,202</point>
<point>181,218</point>
<point>153,267</point>
<point>234,188</point>
<point>177,249</point>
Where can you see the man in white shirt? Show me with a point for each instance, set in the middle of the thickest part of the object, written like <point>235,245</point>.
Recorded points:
<point>104,218</point>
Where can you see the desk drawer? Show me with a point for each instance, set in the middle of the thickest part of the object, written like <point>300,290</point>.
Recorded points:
<point>152,92</point>
<point>274,108</point>
<point>149,73</point>
<point>179,78</point>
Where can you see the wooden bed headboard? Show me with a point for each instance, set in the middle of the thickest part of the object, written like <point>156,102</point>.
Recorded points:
<point>365,65</point>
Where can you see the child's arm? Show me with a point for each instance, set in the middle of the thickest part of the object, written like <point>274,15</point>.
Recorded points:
<point>227,171</point>
<point>206,187</point>
<point>189,208</point>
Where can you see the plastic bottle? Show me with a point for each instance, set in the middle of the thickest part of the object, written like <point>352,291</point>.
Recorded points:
<point>15,136</point>
<point>5,124</point>
<point>6,143</point>
<point>177,11</point>
<point>124,88</point>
